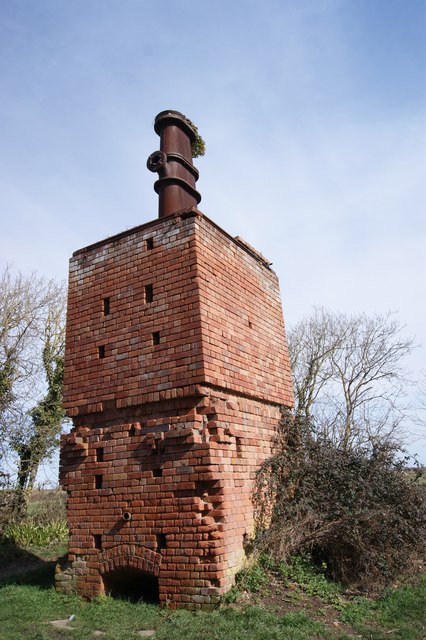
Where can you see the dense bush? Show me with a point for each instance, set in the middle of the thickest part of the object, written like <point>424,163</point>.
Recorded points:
<point>354,510</point>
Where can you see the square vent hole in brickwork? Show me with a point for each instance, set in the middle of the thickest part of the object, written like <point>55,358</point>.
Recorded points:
<point>161,541</point>
<point>149,243</point>
<point>97,540</point>
<point>208,558</point>
<point>106,306</point>
<point>206,488</point>
<point>98,481</point>
<point>101,352</point>
<point>157,473</point>
<point>99,454</point>
<point>155,337</point>
<point>159,447</point>
<point>149,293</point>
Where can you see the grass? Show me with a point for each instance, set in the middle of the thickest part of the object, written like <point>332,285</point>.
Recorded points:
<point>400,613</point>
<point>311,579</point>
<point>297,572</point>
<point>26,613</point>
<point>27,610</point>
<point>30,533</point>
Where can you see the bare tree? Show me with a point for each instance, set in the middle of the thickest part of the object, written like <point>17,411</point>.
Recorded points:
<point>311,345</point>
<point>25,302</point>
<point>32,321</point>
<point>420,407</point>
<point>349,377</point>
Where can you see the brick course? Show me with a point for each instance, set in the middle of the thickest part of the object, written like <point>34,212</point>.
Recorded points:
<point>176,366</point>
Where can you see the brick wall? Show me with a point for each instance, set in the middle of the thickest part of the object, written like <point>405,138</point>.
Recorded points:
<point>244,344</point>
<point>176,365</point>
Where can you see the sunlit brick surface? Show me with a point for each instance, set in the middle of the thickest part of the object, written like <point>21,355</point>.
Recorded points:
<point>176,366</point>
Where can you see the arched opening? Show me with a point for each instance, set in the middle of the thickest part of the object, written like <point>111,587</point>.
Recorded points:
<point>132,584</point>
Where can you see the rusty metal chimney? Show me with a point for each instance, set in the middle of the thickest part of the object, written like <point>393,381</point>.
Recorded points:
<point>173,163</point>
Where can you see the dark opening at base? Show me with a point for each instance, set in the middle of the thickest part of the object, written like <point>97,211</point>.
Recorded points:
<point>132,584</point>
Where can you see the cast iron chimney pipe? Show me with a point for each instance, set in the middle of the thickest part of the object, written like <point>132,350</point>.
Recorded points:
<point>173,163</point>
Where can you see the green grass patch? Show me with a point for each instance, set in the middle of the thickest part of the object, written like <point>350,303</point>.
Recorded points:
<point>254,578</point>
<point>311,580</point>
<point>27,611</point>
<point>30,533</point>
<point>252,623</point>
<point>399,613</point>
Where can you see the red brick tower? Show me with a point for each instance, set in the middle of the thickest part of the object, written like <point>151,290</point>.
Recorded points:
<point>176,367</point>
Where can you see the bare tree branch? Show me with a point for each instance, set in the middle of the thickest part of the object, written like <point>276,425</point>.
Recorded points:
<point>32,323</point>
<point>349,375</point>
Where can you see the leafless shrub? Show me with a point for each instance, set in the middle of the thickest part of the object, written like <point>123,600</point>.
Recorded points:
<point>353,509</point>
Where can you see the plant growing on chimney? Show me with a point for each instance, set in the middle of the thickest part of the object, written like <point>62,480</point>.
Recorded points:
<point>198,147</point>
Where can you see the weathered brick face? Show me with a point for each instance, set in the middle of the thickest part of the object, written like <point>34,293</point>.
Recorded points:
<point>176,366</point>
<point>244,345</point>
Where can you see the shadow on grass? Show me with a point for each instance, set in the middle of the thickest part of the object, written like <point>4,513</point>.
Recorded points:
<point>23,567</point>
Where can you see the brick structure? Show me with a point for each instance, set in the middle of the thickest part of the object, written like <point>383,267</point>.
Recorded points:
<point>176,367</point>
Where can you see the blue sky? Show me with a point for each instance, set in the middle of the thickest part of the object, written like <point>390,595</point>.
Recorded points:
<point>313,112</point>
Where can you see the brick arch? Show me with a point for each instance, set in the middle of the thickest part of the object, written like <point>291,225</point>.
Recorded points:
<point>134,556</point>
